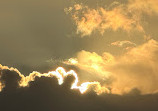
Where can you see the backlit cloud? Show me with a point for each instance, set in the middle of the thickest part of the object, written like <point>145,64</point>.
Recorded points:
<point>137,68</point>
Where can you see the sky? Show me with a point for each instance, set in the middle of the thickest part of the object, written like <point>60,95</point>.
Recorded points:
<point>110,47</point>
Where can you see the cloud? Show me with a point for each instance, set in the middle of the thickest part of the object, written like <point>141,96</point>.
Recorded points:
<point>44,94</point>
<point>130,74</point>
<point>143,6</point>
<point>88,20</point>
<point>125,44</point>
<point>137,68</point>
<point>92,65</point>
<point>127,17</point>
<point>19,80</point>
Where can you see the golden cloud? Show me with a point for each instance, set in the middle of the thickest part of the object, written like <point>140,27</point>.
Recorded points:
<point>137,68</point>
<point>122,16</point>
<point>143,6</point>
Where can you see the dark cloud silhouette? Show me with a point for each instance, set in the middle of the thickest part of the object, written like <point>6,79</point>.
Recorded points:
<point>44,94</point>
<point>9,80</point>
<point>35,31</point>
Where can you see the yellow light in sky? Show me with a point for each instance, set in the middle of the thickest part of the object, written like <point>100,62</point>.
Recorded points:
<point>60,73</point>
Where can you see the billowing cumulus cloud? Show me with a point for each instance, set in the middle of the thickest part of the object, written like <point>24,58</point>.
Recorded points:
<point>92,62</point>
<point>126,16</point>
<point>44,94</point>
<point>60,73</point>
<point>136,69</point>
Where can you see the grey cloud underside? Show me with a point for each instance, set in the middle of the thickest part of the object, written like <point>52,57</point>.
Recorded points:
<point>44,94</point>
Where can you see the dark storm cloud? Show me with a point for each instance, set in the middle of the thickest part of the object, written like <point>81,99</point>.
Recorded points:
<point>44,94</point>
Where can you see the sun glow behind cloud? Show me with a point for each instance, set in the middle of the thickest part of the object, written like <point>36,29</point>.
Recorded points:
<point>60,73</point>
<point>135,68</point>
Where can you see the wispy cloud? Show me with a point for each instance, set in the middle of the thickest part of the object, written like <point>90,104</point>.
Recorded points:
<point>123,43</point>
<point>121,16</point>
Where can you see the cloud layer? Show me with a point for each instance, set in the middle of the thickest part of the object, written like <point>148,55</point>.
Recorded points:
<point>137,68</point>
<point>44,94</point>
